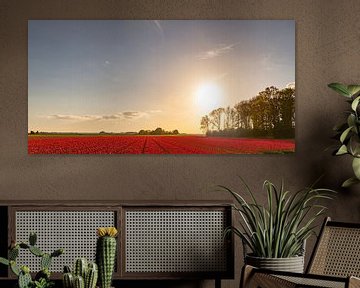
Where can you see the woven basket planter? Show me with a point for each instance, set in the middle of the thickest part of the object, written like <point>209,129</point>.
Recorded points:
<point>291,264</point>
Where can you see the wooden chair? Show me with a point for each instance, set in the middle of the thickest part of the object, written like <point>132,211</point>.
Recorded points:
<point>335,262</point>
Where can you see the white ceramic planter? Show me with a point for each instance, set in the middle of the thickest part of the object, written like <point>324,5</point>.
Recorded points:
<point>291,264</point>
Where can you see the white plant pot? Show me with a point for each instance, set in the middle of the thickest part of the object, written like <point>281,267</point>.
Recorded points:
<point>291,264</point>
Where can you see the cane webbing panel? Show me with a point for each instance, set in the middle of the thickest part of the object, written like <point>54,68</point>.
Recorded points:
<point>175,241</point>
<point>313,282</point>
<point>267,280</point>
<point>338,252</point>
<point>75,231</point>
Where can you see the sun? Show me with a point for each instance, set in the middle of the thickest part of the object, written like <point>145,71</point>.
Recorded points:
<point>208,96</point>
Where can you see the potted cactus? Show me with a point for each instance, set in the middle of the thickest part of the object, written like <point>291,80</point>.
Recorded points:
<point>42,278</point>
<point>106,254</point>
<point>85,275</point>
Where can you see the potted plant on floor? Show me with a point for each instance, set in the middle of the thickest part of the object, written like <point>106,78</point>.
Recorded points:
<point>276,233</point>
<point>349,132</point>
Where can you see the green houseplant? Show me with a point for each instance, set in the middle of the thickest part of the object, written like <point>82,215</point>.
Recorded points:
<point>349,132</point>
<point>275,233</point>
<point>84,274</point>
<point>42,278</point>
<point>106,254</point>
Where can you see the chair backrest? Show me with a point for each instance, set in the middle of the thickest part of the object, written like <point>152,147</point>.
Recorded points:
<point>337,251</point>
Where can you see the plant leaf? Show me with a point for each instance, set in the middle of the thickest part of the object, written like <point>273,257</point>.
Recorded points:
<point>342,150</point>
<point>349,182</point>
<point>4,261</point>
<point>351,119</point>
<point>340,88</point>
<point>355,103</point>
<point>353,90</point>
<point>356,167</point>
<point>354,145</point>
<point>345,134</point>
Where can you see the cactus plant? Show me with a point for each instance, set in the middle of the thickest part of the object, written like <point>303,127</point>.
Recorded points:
<point>91,276</point>
<point>43,274</point>
<point>24,277</point>
<point>68,280</point>
<point>106,254</point>
<point>45,261</point>
<point>79,282</point>
<point>80,268</point>
<point>36,251</point>
<point>84,274</point>
<point>42,278</point>
<point>32,239</point>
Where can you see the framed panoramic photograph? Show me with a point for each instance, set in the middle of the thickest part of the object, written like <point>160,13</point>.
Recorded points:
<point>161,86</point>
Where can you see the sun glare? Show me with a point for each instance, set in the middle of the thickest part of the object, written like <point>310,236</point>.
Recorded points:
<point>208,96</point>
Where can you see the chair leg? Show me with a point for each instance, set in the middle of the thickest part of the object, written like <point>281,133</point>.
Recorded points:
<point>217,283</point>
<point>246,273</point>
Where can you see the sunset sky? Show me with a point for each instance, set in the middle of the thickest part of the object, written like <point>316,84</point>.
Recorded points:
<point>128,75</point>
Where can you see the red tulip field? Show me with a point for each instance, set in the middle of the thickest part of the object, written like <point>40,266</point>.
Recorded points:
<point>137,144</point>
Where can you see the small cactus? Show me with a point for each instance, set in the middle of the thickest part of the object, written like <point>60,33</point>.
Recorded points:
<point>45,261</point>
<point>14,268</point>
<point>68,280</point>
<point>79,282</point>
<point>13,253</point>
<point>57,252</point>
<point>24,245</point>
<point>24,278</point>
<point>32,238</point>
<point>89,272</point>
<point>36,251</point>
<point>80,268</point>
<point>106,254</point>
<point>91,276</point>
<point>67,269</point>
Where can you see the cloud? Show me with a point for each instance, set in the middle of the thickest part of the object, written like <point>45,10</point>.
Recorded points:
<point>121,115</point>
<point>74,117</point>
<point>159,28</point>
<point>290,85</point>
<point>221,50</point>
<point>133,114</point>
<point>111,117</point>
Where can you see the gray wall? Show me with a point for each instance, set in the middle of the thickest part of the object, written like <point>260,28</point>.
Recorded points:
<point>327,50</point>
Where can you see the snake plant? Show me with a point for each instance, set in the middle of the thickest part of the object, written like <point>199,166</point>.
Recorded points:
<point>279,228</point>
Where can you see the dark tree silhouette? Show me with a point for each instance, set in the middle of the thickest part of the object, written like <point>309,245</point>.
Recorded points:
<point>269,114</point>
<point>205,124</point>
<point>158,131</point>
<point>215,118</point>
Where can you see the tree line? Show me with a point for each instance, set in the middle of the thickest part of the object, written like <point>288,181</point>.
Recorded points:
<point>158,131</point>
<point>269,114</point>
